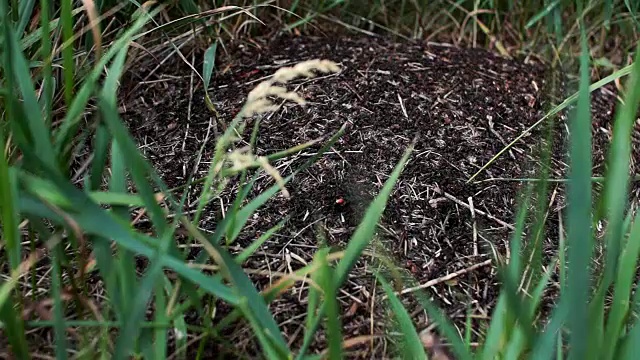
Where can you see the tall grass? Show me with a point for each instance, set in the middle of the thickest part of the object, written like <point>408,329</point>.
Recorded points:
<point>49,82</point>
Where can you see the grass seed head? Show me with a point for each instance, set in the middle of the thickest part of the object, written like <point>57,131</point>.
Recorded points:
<point>259,99</point>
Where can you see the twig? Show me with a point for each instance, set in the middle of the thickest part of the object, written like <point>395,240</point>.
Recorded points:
<point>461,203</point>
<point>448,277</point>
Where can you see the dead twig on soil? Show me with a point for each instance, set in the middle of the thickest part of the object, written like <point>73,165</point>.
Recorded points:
<point>442,279</point>
<point>461,203</point>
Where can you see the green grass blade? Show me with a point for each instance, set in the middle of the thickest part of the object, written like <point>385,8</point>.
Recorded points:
<point>18,66</point>
<point>623,285</point>
<point>446,327</point>
<point>543,13</point>
<point>544,345</point>
<point>60,328</point>
<point>617,177</point>
<point>131,327</point>
<point>519,343</point>
<point>566,103</point>
<point>48,80</point>
<point>334,332</point>
<point>629,347</point>
<point>26,10</point>
<point>8,209</point>
<point>366,229</point>
<point>67,52</point>
<point>579,234</point>
<point>412,347</point>
<point>65,132</point>
<point>137,166</point>
<point>96,221</point>
<point>497,334</point>
<point>615,201</point>
<point>264,322</point>
<point>313,299</point>
<point>209,64</point>
<point>11,319</point>
<point>608,12</point>
<point>249,250</point>
<point>359,240</point>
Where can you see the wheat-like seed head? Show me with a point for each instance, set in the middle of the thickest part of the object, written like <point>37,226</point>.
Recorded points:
<point>258,102</point>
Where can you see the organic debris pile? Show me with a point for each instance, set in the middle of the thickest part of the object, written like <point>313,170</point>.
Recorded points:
<point>462,105</point>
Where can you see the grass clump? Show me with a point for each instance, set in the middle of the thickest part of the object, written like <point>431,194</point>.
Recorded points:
<point>52,85</point>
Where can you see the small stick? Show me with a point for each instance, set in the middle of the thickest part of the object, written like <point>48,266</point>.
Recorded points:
<point>475,231</point>
<point>448,277</point>
<point>455,200</point>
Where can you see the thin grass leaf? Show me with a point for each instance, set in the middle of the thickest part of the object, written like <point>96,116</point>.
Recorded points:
<point>543,13</point>
<point>159,339</point>
<point>608,12</point>
<point>253,247</point>
<point>136,312</point>
<point>633,13</point>
<point>412,347</point>
<point>17,66</point>
<point>65,132</point>
<point>263,339</point>
<point>48,81</point>
<point>26,11</point>
<point>96,221</point>
<point>568,101</point>
<point>180,337</point>
<point>615,201</point>
<point>446,328</point>
<point>543,347</point>
<point>8,212</point>
<point>67,51</point>
<point>629,346</point>
<point>59,327</point>
<point>623,285</point>
<point>359,241</point>
<point>137,166</point>
<point>234,228</point>
<point>263,320</point>
<point>616,186</point>
<point>209,63</point>
<point>519,343</point>
<point>579,214</point>
<point>497,335</point>
<point>313,298</point>
<point>334,332</point>
<point>367,227</point>
<point>11,320</point>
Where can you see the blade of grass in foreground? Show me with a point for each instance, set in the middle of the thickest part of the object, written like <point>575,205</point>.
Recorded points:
<point>617,177</point>
<point>499,320</point>
<point>334,333</point>
<point>579,214</point>
<point>622,290</point>
<point>59,327</point>
<point>412,345</point>
<point>18,67</point>
<point>616,192</point>
<point>358,242</point>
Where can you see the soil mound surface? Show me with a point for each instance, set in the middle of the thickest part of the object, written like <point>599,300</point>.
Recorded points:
<point>464,105</point>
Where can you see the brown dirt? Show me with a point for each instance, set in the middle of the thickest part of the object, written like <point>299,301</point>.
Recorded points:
<point>465,105</point>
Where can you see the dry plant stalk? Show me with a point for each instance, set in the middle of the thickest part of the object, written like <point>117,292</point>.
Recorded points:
<point>259,101</point>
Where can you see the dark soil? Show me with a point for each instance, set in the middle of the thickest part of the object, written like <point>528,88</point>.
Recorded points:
<point>464,106</point>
